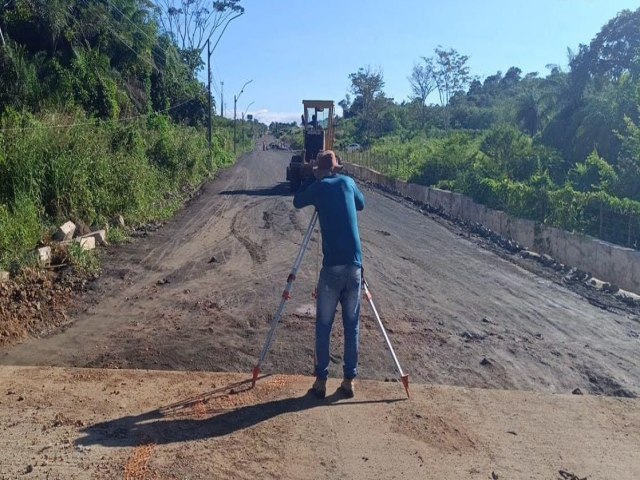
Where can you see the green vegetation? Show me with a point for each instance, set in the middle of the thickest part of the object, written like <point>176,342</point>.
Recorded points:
<point>563,149</point>
<point>84,261</point>
<point>101,114</point>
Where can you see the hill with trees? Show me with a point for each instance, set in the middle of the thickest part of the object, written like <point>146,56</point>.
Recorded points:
<point>102,112</point>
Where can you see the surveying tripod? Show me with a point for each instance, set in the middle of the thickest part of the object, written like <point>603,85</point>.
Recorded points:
<point>286,295</point>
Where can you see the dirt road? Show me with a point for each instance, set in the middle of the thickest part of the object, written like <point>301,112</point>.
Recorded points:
<point>199,294</point>
<point>113,424</point>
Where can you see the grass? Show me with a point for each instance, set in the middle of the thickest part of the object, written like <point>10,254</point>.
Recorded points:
<point>142,170</point>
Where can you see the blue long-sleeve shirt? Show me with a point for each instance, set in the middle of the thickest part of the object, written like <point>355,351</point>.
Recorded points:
<point>337,199</point>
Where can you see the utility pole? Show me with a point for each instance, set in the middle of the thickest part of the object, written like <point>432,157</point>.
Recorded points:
<point>222,99</point>
<point>235,102</point>
<point>209,87</point>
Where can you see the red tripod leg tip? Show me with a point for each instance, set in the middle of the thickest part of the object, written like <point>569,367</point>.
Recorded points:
<point>405,382</point>
<point>256,373</point>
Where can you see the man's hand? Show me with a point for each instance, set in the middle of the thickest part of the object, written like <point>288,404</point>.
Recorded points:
<point>307,168</point>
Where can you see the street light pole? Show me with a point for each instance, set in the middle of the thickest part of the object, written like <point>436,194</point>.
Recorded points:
<point>235,119</point>
<point>244,114</point>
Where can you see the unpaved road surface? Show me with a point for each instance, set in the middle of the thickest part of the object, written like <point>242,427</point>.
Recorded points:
<point>113,424</point>
<point>199,294</point>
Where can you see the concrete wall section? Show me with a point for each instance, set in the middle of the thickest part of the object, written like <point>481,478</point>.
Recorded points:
<point>608,262</point>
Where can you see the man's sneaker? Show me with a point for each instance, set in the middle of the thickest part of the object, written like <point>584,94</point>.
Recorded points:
<point>347,388</point>
<point>319,388</point>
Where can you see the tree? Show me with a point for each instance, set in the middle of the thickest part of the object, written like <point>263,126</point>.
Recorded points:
<point>423,82</point>
<point>192,23</point>
<point>614,51</point>
<point>451,76</point>
<point>595,174</point>
<point>628,167</point>
<point>369,99</point>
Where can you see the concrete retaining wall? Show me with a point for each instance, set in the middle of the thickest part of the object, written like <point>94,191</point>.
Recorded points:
<point>606,261</point>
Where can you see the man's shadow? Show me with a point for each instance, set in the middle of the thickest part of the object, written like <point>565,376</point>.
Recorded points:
<point>168,425</point>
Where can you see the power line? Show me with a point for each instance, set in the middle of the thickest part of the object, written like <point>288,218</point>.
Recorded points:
<point>149,37</point>
<point>129,46</point>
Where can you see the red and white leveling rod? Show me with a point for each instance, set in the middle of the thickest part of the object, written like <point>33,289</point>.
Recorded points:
<point>286,295</point>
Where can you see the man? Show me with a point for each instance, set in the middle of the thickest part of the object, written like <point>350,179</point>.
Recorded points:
<point>336,198</point>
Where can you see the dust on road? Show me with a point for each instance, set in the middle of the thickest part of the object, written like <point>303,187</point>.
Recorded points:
<point>199,294</point>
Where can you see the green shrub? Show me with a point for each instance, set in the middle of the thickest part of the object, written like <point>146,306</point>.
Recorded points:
<point>140,169</point>
<point>85,261</point>
<point>20,229</point>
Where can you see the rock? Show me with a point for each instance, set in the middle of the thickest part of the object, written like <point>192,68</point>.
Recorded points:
<point>547,260</point>
<point>577,391</point>
<point>530,254</point>
<point>82,229</point>
<point>29,469</point>
<point>485,362</point>
<point>100,237</point>
<point>118,221</point>
<point>44,255</point>
<point>87,243</point>
<point>65,232</point>
<point>4,276</point>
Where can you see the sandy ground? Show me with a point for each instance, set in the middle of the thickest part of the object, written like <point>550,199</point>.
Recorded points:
<point>198,295</point>
<point>68,423</point>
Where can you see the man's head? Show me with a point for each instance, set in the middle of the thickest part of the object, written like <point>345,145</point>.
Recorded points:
<point>326,164</point>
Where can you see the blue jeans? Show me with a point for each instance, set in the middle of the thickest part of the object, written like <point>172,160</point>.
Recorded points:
<point>341,283</point>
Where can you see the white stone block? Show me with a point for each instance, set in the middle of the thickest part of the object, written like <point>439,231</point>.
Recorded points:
<point>65,232</point>
<point>4,276</point>
<point>100,237</point>
<point>87,243</point>
<point>44,255</point>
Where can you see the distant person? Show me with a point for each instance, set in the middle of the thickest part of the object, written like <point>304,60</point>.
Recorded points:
<point>336,198</point>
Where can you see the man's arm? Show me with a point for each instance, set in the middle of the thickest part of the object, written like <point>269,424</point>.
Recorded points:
<point>358,197</point>
<point>306,195</point>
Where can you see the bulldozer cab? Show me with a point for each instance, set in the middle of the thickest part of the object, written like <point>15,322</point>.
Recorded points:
<point>319,128</point>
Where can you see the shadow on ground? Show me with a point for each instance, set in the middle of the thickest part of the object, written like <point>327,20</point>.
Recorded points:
<point>168,425</point>
<point>280,190</point>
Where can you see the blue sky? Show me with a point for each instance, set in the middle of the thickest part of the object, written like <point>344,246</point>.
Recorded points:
<point>297,49</point>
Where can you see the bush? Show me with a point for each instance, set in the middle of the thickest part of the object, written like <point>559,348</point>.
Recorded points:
<point>96,170</point>
<point>20,229</point>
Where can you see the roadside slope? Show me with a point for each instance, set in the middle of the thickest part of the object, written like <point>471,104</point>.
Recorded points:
<point>105,424</point>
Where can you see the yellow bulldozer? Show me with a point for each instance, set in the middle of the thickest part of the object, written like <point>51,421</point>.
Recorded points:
<point>318,122</point>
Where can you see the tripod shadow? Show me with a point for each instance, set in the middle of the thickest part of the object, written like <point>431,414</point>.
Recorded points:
<point>280,190</point>
<point>176,422</point>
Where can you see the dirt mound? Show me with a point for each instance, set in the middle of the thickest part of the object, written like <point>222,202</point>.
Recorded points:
<point>35,302</point>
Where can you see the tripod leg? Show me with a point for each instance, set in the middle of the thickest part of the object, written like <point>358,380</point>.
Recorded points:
<point>404,378</point>
<point>286,295</point>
